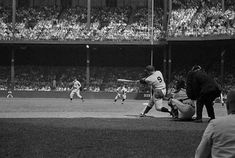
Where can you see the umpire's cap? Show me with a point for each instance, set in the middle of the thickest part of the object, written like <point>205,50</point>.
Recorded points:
<point>149,68</point>
<point>196,68</point>
<point>231,102</point>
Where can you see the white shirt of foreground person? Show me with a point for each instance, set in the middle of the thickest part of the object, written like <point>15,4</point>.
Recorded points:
<point>218,140</point>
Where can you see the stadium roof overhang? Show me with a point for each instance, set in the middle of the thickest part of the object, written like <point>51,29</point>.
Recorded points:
<point>215,40</point>
<point>97,43</point>
<point>221,39</point>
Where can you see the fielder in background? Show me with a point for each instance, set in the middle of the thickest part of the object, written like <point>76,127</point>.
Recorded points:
<point>121,93</point>
<point>156,81</point>
<point>9,94</point>
<point>76,90</point>
<point>182,107</point>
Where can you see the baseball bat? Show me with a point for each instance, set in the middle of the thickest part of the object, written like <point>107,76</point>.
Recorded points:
<point>126,80</point>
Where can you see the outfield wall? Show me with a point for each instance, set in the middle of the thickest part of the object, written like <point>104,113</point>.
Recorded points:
<point>65,94</point>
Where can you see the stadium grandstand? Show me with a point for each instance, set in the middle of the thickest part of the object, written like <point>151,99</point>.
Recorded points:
<point>45,43</point>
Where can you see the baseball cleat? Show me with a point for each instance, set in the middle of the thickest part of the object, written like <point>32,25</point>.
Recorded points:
<point>198,120</point>
<point>210,120</point>
<point>174,113</point>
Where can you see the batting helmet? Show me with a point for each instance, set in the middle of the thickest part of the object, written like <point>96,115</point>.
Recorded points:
<point>149,68</point>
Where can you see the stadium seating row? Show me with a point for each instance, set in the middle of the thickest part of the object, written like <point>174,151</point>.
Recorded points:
<point>115,24</point>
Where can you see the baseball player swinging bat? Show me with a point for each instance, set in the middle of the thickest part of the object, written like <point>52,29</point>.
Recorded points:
<point>126,80</point>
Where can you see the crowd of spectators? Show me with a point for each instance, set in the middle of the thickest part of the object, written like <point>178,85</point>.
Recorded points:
<point>44,78</point>
<point>203,19</point>
<point>49,23</point>
<point>117,24</point>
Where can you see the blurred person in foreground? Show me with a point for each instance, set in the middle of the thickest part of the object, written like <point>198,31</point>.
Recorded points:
<point>218,139</point>
<point>202,88</point>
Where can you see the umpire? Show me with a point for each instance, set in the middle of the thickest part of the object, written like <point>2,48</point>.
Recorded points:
<point>202,88</point>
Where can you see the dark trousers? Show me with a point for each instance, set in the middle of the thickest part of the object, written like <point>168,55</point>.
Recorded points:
<point>207,100</point>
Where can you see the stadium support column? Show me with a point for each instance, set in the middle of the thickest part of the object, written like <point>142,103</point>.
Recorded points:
<point>222,67</point>
<point>164,61</point>
<point>149,16</point>
<point>13,17</point>
<point>152,56</point>
<point>151,37</point>
<point>165,21</point>
<point>152,30</point>
<point>87,66</point>
<point>169,15</point>
<point>12,68</point>
<point>31,3</point>
<point>88,14</point>
<point>13,49</point>
<point>165,35</point>
<point>169,64</point>
<point>73,3</point>
<point>223,6</point>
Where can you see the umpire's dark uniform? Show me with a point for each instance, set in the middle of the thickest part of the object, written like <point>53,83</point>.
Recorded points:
<point>204,89</point>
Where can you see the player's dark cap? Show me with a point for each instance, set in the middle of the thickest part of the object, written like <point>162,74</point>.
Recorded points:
<point>230,103</point>
<point>196,68</point>
<point>149,68</point>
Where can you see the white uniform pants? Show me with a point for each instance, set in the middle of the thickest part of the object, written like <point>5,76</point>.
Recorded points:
<point>122,96</point>
<point>75,91</point>
<point>157,99</point>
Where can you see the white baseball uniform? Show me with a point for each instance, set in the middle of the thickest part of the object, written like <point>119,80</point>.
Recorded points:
<point>76,89</point>
<point>121,93</point>
<point>156,81</point>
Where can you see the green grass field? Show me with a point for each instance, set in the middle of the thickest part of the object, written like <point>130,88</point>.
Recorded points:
<point>58,128</point>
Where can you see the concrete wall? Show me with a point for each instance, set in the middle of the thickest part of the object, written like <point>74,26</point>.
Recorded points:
<point>65,94</point>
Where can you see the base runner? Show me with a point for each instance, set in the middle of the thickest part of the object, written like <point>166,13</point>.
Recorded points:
<point>156,81</point>
<point>121,93</point>
<point>76,90</point>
